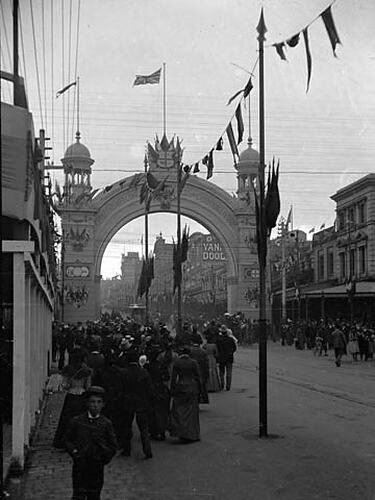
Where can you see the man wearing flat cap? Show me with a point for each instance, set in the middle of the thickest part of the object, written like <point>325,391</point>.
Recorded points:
<point>91,442</point>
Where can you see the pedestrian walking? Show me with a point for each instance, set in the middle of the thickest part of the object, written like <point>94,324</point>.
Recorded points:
<point>138,395</point>
<point>91,442</point>
<point>76,380</point>
<point>200,356</point>
<point>185,390</point>
<point>339,343</point>
<point>226,347</point>
<point>213,382</point>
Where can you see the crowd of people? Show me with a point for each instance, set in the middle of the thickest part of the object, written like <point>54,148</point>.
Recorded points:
<point>355,339</point>
<point>117,370</point>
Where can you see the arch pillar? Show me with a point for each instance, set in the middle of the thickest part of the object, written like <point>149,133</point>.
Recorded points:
<point>232,294</point>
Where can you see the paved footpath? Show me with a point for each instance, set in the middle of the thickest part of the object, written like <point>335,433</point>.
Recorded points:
<point>48,472</point>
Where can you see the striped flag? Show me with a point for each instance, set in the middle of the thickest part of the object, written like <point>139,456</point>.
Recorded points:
<point>145,79</point>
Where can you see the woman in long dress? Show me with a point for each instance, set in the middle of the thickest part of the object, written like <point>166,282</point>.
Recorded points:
<point>213,382</point>
<point>76,379</point>
<point>185,391</point>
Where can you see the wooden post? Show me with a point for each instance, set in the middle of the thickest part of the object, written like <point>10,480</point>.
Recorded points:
<point>261,28</point>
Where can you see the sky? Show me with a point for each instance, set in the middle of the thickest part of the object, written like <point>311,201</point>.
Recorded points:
<point>324,138</point>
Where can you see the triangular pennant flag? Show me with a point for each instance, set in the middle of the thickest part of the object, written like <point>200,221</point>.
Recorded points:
<point>210,164</point>
<point>293,42</point>
<point>232,142</point>
<point>196,168</point>
<point>246,91</point>
<point>205,160</point>
<point>308,57</point>
<point>248,88</point>
<point>240,125</point>
<point>331,29</point>
<point>280,50</point>
<point>219,145</point>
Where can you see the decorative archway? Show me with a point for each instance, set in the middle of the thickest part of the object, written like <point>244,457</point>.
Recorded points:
<point>90,222</point>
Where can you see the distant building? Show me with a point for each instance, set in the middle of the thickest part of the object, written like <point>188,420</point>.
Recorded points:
<point>120,292</point>
<point>204,276</point>
<point>343,259</point>
<point>344,255</point>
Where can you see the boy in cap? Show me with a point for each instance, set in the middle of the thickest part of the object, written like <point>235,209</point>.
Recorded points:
<point>91,442</point>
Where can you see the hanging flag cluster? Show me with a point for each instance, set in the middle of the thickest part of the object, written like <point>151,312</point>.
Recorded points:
<point>233,141</point>
<point>146,276</point>
<point>150,187</point>
<point>267,209</point>
<point>333,36</point>
<point>180,253</point>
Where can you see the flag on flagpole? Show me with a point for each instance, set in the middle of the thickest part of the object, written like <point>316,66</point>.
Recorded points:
<point>146,79</point>
<point>67,87</point>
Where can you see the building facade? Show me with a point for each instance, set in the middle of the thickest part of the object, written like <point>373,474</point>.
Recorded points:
<point>342,283</point>
<point>28,275</point>
<point>344,255</point>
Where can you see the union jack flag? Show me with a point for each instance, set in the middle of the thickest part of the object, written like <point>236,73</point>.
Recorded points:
<point>145,79</point>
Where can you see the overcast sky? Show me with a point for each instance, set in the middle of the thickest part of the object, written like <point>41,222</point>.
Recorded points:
<point>324,139</point>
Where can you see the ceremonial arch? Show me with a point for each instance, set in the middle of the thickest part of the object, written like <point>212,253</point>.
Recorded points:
<point>90,219</point>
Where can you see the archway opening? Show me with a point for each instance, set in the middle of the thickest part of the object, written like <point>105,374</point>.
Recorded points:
<point>204,283</point>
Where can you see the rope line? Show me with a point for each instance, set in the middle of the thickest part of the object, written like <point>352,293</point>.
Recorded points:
<point>36,64</point>
<point>44,66</point>
<point>23,51</point>
<point>76,61</point>
<point>52,88</point>
<point>69,64</point>
<point>63,70</point>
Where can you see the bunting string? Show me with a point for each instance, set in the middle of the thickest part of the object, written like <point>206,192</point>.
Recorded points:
<point>293,41</point>
<point>208,158</point>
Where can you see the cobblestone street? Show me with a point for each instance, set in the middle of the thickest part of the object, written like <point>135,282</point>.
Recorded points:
<point>321,417</point>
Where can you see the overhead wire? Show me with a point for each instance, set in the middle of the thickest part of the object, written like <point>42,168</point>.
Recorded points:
<point>76,62</point>
<point>63,70</point>
<point>8,53</point>
<point>69,61</point>
<point>23,51</point>
<point>36,64</point>
<point>44,66</point>
<point>52,89</point>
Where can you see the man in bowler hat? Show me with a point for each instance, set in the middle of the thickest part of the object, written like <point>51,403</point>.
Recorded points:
<point>91,442</point>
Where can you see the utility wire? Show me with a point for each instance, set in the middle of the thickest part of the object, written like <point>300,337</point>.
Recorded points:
<point>63,70</point>
<point>69,60</point>
<point>76,61</point>
<point>23,51</point>
<point>52,88</point>
<point>6,35</point>
<point>36,64</point>
<point>5,85</point>
<point>44,67</point>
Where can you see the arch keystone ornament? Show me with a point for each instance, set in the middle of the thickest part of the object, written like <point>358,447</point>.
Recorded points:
<point>93,223</point>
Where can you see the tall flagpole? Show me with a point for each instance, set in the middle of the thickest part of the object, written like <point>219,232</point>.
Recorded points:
<point>261,28</point>
<point>179,264</point>
<point>78,132</point>
<point>164,100</point>
<point>146,250</point>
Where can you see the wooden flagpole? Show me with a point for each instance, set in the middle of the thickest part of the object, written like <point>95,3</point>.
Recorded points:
<point>146,251</point>
<point>164,100</point>
<point>261,28</point>
<point>179,264</point>
<point>78,131</point>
